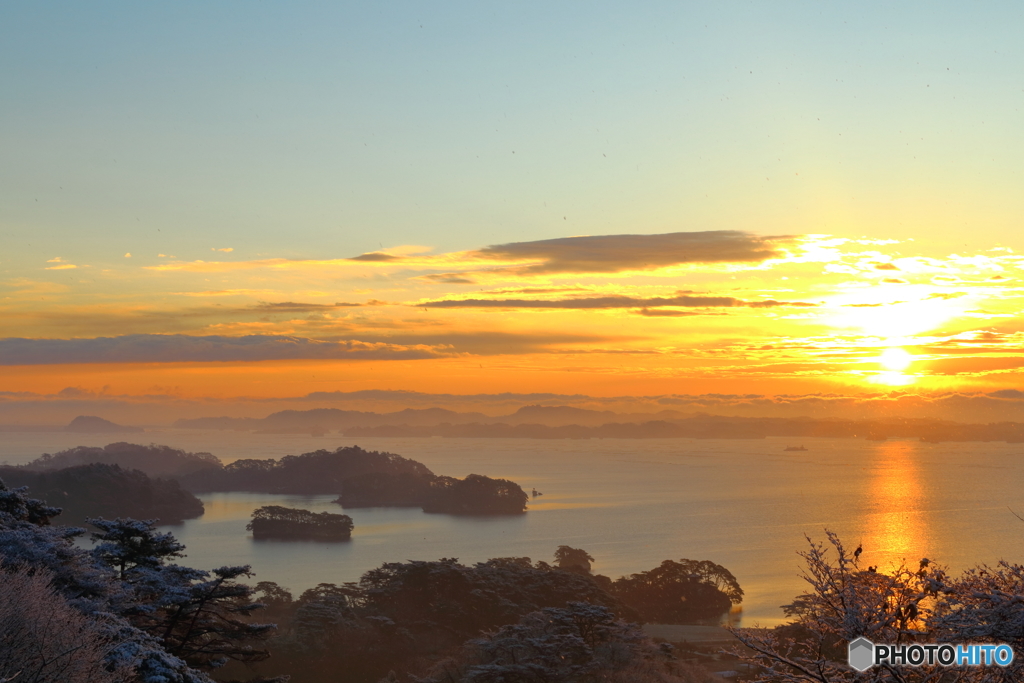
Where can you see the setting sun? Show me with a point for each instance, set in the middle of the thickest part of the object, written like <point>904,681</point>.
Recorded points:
<point>895,359</point>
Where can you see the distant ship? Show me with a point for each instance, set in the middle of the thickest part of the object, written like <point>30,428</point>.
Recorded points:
<point>794,448</point>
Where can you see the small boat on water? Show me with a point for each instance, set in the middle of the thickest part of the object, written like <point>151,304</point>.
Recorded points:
<point>795,448</point>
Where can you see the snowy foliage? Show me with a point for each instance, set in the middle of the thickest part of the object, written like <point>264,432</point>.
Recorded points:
<point>45,640</point>
<point>150,615</point>
<point>197,615</point>
<point>16,507</point>
<point>909,604</point>
<point>128,544</point>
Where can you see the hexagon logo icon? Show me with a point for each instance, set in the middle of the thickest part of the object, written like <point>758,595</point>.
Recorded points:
<point>861,654</point>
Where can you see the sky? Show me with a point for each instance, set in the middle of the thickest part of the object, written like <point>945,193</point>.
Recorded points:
<point>267,200</point>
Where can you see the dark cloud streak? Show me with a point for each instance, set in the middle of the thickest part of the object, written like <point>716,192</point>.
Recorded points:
<point>294,307</point>
<point>375,256</point>
<point>178,348</point>
<point>616,253</point>
<point>665,313</point>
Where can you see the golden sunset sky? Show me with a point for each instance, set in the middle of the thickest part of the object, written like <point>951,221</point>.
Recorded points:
<point>217,200</point>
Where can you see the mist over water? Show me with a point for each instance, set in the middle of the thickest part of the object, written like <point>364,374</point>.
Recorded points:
<point>744,504</point>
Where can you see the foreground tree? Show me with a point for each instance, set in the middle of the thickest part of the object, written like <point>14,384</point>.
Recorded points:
<point>17,508</point>
<point>131,544</point>
<point>201,617</point>
<point>570,558</point>
<point>28,542</point>
<point>680,592</point>
<point>906,605</point>
<point>445,596</point>
<point>577,643</point>
<point>207,625</point>
<point>43,639</point>
<point>402,616</point>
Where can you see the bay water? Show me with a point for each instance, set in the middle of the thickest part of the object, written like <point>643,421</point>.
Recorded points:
<point>745,504</point>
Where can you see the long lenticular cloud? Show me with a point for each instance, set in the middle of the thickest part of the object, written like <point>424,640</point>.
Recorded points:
<point>617,253</point>
<point>179,348</point>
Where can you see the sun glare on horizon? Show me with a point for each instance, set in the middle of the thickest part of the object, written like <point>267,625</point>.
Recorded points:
<point>895,359</point>
<point>893,379</point>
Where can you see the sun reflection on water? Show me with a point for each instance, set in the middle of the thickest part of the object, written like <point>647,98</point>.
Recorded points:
<point>895,527</point>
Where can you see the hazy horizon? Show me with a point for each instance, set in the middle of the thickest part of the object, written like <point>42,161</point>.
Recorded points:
<point>24,408</point>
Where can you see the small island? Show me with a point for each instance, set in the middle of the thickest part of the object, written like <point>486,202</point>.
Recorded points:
<point>276,522</point>
<point>90,424</point>
<point>474,495</point>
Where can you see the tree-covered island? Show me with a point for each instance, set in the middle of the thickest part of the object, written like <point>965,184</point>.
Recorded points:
<point>276,522</point>
<point>365,479</point>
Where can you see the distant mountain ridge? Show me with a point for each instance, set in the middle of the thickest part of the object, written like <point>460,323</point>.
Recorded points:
<point>325,419</point>
<point>567,422</point>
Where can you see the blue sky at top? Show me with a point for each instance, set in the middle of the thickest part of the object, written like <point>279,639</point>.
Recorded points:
<point>328,129</point>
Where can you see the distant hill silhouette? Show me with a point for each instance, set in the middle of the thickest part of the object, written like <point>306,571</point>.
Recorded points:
<point>569,422</point>
<point>105,490</point>
<point>563,415</point>
<point>716,427</point>
<point>90,424</point>
<point>322,419</point>
<point>656,429</point>
<point>325,419</point>
<point>158,461</point>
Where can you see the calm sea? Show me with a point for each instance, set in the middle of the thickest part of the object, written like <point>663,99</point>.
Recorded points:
<point>745,504</point>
